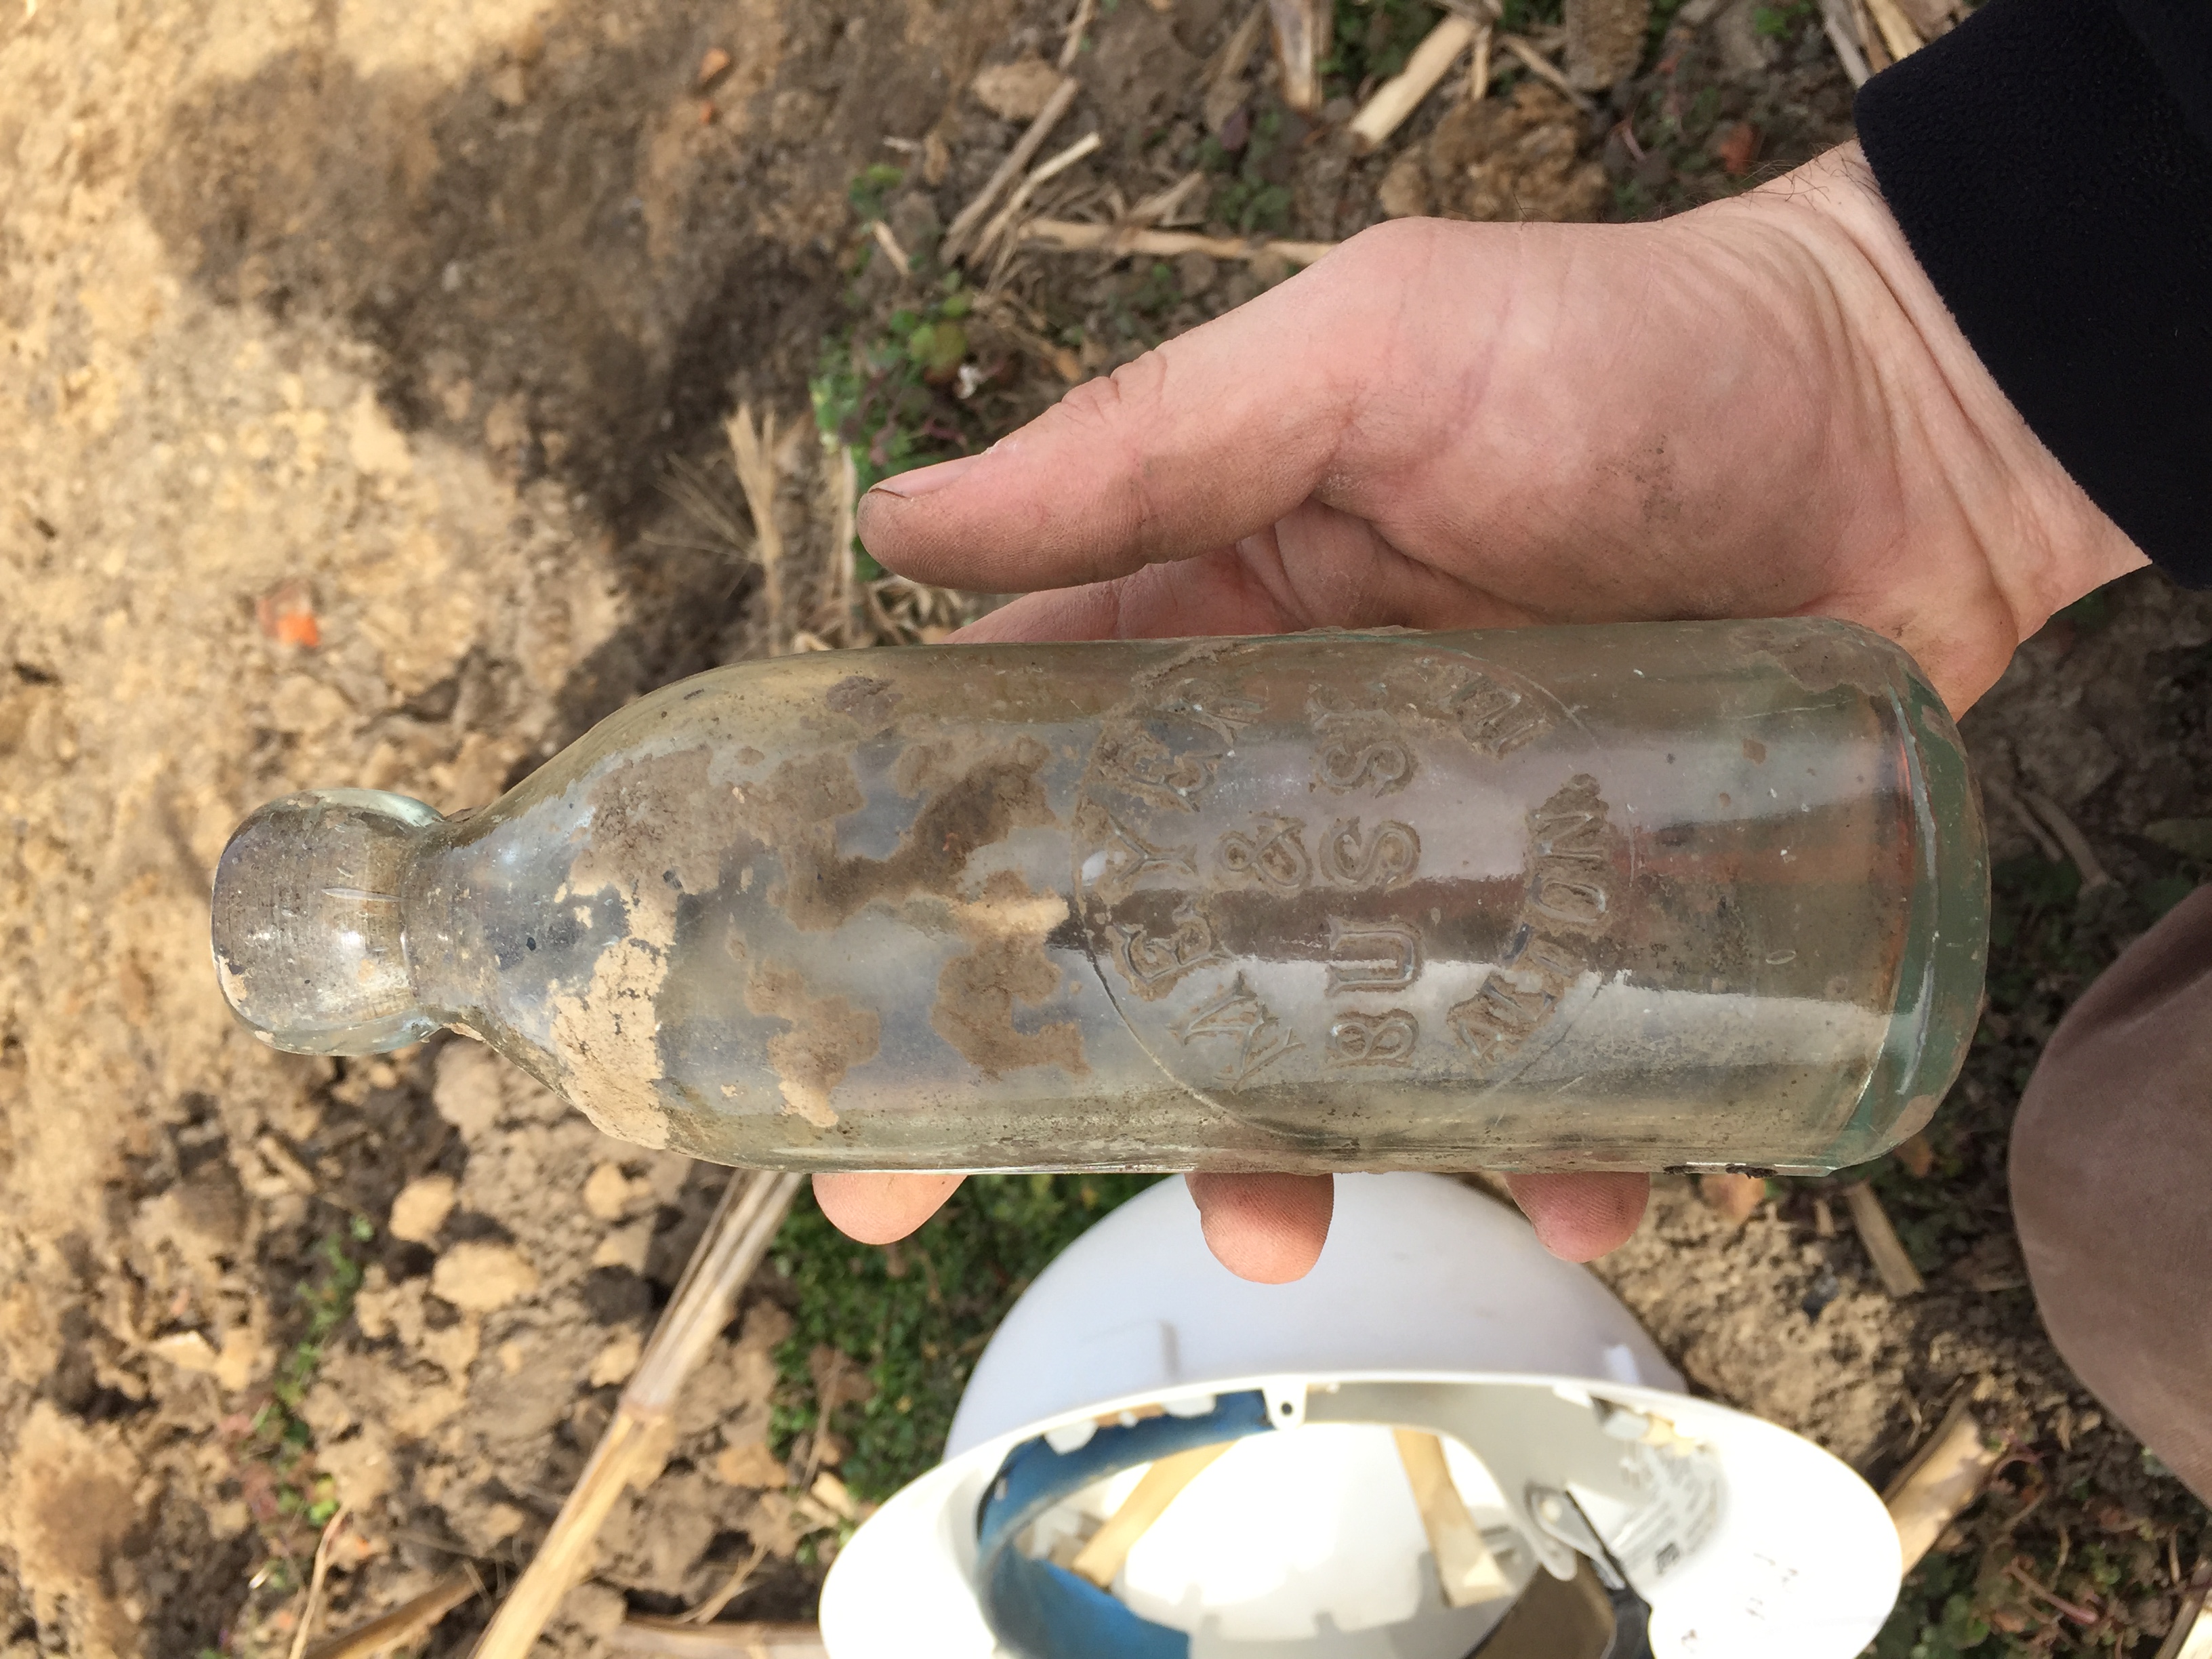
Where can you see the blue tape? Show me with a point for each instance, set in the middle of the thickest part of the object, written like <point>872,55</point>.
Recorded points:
<point>1039,1611</point>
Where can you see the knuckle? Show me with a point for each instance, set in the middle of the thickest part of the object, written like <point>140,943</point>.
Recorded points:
<point>1114,417</point>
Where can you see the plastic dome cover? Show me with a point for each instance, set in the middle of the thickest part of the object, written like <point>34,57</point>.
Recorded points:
<point>1297,1503</point>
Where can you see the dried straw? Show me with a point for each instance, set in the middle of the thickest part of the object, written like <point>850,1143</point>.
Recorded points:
<point>752,1208</point>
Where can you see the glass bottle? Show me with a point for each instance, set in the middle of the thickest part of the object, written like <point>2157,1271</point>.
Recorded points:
<point>1706,895</point>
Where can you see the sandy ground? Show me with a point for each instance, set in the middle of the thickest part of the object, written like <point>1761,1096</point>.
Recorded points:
<point>348,348</point>
<point>387,317</point>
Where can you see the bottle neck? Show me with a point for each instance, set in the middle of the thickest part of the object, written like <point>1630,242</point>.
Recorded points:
<point>454,973</point>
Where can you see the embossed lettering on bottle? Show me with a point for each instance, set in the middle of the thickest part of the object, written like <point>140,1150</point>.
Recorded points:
<point>1249,865</point>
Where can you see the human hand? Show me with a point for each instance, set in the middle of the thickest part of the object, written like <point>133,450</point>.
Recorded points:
<point>1759,409</point>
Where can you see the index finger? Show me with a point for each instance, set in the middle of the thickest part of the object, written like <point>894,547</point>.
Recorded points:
<point>1198,442</point>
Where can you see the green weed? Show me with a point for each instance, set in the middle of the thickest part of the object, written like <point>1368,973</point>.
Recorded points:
<point>1663,18</point>
<point>882,387</point>
<point>1780,22</point>
<point>913,1317</point>
<point>1374,40</point>
<point>1252,197</point>
<point>277,1438</point>
<point>1935,1616</point>
<point>870,186</point>
<point>328,1294</point>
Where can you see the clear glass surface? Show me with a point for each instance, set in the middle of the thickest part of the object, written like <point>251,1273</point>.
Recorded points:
<point>1687,894</point>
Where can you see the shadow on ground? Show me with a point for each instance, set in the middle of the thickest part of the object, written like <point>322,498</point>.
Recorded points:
<point>574,257</point>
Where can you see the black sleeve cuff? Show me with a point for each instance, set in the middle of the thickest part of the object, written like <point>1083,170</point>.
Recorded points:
<point>2046,173</point>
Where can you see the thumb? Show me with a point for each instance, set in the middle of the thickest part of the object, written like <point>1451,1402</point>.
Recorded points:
<point>1204,440</point>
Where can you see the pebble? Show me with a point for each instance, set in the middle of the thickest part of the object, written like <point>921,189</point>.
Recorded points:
<point>750,1464</point>
<point>467,1093</point>
<point>613,1363</point>
<point>1017,91</point>
<point>606,1192</point>
<point>479,1276</point>
<point>422,1208</point>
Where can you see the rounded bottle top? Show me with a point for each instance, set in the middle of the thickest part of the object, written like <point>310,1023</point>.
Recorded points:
<point>310,946</point>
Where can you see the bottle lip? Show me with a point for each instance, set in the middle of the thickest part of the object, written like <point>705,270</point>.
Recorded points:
<point>307,922</point>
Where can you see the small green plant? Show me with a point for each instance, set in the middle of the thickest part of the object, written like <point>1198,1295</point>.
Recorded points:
<point>1935,1616</point>
<point>1251,197</point>
<point>912,1317</point>
<point>1780,22</point>
<point>276,1452</point>
<point>870,186</point>
<point>1372,41</point>
<point>884,387</point>
<point>328,1294</point>
<point>1520,15</point>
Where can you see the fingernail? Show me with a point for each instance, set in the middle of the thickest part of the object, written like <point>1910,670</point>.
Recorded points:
<point>925,480</point>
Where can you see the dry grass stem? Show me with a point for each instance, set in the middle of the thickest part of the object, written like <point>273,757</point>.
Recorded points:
<point>1544,69</point>
<point>1477,72</point>
<point>406,1624</point>
<point>1401,94</point>
<point>690,488</point>
<point>1164,206</point>
<point>2069,836</point>
<point>314,1610</point>
<point>2045,841</point>
<point>1302,28</point>
<point>1100,1561</point>
<point>1734,1198</point>
<point>1017,160</point>
<point>1224,75</point>
<point>889,244</point>
<point>680,1641</point>
<point>1069,237</point>
<point>1071,45</point>
<point>2190,1637</point>
<point>1898,1276</point>
<point>1467,1574</point>
<point>731,1586</point>
<point>751,447</point>
<point>828,1395</point>
<point>1842,30</point>
<point>1049,168</point>
<point>1943,1477</point>
<point>1870,41</point>
<point>903,613</point>
<point>751,1209</point>
<point>834,616</point>
<point>1897,32</point>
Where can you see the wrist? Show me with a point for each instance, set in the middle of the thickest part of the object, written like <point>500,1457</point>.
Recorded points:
<point>1957,438</point>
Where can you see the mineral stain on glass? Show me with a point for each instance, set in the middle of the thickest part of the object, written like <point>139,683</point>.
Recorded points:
<point>1633,897</point>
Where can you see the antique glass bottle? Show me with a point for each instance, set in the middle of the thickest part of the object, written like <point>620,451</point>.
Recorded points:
<point>1706,894</point>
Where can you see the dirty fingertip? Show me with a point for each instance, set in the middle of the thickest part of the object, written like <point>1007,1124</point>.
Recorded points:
<point>1267,1228</point>
<point>925,480</point>
<point>875,1209</point>
<point>1580,1218</point>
